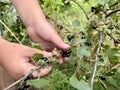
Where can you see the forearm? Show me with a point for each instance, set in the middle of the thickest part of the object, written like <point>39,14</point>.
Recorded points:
<point>29,11</point>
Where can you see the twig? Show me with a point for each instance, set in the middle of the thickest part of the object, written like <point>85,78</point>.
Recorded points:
<point>96,59</point>
<point>114,11</point>
<point>115,3</point>
<point>10,31</point>
<point>110,35</point>
<point>81,8</point>
<point>21,79</point>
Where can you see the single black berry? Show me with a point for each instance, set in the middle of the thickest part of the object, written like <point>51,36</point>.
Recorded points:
<point>102,77</point>
<point>22,87</point>
<point>94,26</point>
<point>26,85</point>
<point>70,37</point>
<point>28,77</point>
<point>88,43</point>
<point>66,53</point>
<point>44,58</point>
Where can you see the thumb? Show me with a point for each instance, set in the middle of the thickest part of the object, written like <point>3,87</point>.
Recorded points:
<point>56,39</point>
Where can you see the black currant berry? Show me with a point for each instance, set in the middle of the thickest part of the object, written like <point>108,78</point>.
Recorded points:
<point>94,26</point>
<point>28,77</point>
<point>66,53</point>
<point>88,43</point>
<point>26,85</point>
<point>44,58</point>
<point>70,37</point>
<point>22,87</point>
<point>102,77</point>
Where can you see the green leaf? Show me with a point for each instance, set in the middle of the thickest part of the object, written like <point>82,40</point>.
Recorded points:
<point>37,56</point>
<point>37,47</point>
<point>38,82</point>
<point>112,55</point>
<point>102,2</point>
<point>76,23</point>
<point>79,40</point>
<point>80,85</point>
<point>83,51</point>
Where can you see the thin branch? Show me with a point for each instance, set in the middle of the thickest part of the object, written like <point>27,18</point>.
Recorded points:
<point>115,3</point>
<point>21,79</point>
<point>114,11</point>
<point>110,35</point>
<point>96,59</point>
<point>81,8</point>
<point>10,31</point>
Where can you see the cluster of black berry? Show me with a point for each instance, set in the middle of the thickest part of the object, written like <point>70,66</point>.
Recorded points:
<point>25,85</point>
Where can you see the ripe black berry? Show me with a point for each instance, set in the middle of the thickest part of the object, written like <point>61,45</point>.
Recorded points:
<point>66,53</point>
<point>70,37</point>
<point>22,87</point>
<point>94,26</point>
<point>102,77</point>
<point>88,43</point>
<point>28,77</point>
<point>44,58</point>
<point>26,85</point>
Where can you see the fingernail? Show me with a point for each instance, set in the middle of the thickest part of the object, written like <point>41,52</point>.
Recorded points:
<point>67,45</point>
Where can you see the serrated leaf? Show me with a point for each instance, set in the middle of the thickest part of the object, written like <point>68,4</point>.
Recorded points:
<point>83,51</point>
<point>37,56</point>
<point>80,85</point>
<point>76,23</point>
<point>38,82</point>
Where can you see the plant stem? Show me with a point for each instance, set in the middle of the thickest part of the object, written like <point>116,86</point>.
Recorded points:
<point>110,35</point>
<point>96,59</point>
<point>21,79</point>
<point>114,11</point>
<point>81,8</point>
<point>10,31</point>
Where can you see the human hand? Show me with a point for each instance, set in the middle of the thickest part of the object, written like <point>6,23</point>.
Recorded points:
<point>14,58</point>
<point>44,34</point>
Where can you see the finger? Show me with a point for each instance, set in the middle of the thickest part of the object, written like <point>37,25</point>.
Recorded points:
<point>65,59</point>
<point>32,51</point>
<point>55,38</point>
<point>29,67</point>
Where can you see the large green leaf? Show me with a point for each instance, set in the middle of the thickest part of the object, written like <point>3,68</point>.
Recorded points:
<point>80,85</point>
<point>83,51</point>
<point>38,82</point>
